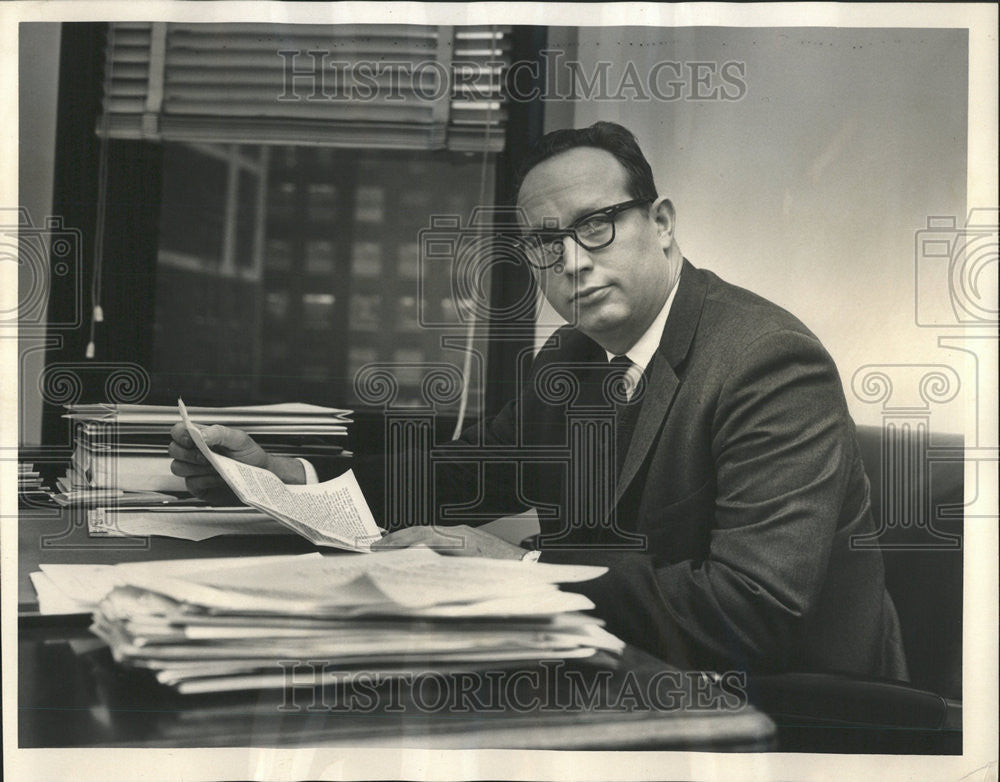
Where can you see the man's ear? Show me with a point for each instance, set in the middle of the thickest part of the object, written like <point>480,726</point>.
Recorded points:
<point>666,219</point>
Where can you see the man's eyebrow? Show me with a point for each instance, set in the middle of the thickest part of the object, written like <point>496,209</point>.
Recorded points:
<point>589,211</point>
<point>577,214</point>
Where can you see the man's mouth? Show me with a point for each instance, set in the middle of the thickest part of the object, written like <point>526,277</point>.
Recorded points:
<point>586,295</point>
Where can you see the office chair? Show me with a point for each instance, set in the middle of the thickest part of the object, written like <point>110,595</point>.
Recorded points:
<point>917,501</point>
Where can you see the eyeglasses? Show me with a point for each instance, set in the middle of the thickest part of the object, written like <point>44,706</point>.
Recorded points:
<point>544,248</point>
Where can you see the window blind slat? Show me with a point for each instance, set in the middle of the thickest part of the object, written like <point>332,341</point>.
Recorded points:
<point>249,99</point>
<point>299,56</point>
<point>138,71</point>
<point>219,30</point>
<point>121,104</point>
<point>334,84</point>
<point>136,39</point>
<point>357,111</point>
<point>380,135</point>
<point>332,49</point>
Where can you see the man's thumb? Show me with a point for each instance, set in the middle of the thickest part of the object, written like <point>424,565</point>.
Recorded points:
<point>223,437</point>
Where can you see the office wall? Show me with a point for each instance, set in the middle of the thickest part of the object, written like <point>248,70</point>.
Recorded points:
<point>810,186</point>
<point>38,80</point>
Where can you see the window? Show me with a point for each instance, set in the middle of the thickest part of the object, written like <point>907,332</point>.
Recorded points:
<point>154,187</point>
<point>282,271</point>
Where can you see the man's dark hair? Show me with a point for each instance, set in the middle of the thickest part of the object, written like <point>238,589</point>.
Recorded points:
<point>608,136</point>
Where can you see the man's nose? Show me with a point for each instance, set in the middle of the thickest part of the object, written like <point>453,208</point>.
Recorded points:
<point>575,259</point>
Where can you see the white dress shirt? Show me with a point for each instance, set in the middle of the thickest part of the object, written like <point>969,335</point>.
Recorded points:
<point>641,353</point>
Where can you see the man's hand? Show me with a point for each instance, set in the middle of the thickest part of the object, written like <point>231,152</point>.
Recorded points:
<point>201,478</point>
<point>460,541</point>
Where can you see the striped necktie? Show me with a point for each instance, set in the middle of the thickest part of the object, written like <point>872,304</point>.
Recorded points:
<point>625,379</point>
<point>626,382</point>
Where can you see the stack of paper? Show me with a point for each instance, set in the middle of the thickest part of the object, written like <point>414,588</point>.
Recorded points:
<point>31,490</point>
<point>225,624</point>
<point>123,448</point>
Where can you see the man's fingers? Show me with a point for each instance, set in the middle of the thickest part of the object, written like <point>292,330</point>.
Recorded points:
<point>188,470</point>
<point>179,434</point>
<point>221,497</point>
<point>190,455</point>
<point>408,536</point>
<point>212,489</point>
<point>217,436</point>
<point>428,536</point>
<point>199,484</point>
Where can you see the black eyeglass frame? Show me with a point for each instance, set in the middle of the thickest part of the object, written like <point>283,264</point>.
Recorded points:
<point>536,240</point>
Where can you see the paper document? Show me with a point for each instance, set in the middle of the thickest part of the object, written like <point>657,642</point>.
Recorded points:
<point>72,589</point>
<point>182,522</point>
<point>53,600</point>
<point>405,582</point>
<point>222,624</point>
<point>160,414</point>
<point>333,513</point>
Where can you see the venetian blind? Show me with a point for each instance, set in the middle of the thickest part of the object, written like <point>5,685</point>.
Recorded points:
<point>371,86</point>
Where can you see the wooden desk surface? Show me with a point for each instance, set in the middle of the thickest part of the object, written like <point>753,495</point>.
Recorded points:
<point>71,693</point>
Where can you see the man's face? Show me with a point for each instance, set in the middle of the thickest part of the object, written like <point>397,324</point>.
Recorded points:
<point>611,294</point>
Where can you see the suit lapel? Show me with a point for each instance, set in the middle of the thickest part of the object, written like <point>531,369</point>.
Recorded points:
<point>660,389</point>
<point>661,375</point>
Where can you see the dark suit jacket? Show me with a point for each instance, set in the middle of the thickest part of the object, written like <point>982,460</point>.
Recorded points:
<point>729,546</point>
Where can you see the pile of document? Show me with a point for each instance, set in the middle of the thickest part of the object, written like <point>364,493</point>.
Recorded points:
<point>123,447</point>
<point>121,469</point>
<point>31,489</point>
<point>227,624</point>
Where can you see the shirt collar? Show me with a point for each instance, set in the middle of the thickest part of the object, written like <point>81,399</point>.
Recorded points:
<point>641,353</point>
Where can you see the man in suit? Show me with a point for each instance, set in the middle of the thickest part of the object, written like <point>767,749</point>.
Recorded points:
<point>715,472</point>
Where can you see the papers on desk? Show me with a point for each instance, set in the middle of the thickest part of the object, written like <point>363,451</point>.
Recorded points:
<point>212,625</point>
<point>184,522</point>
<point>54,598</point>
<point>334,513</point>
<point>31,490</point>
<point>288,412</point>
<point>87,497</point>
<point>77,589</point>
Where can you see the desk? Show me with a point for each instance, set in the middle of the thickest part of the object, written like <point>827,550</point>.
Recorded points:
<point>71,694</point>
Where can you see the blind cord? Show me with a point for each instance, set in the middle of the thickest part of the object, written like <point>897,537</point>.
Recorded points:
<point>97,312</point>
<point>470,331</point>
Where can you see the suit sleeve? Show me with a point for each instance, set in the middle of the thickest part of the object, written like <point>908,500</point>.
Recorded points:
<point>464,489</point>
<point>470,491</point>
<point>782,444</point>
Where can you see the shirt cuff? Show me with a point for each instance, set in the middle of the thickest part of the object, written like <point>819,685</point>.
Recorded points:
<point>311,476</point>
